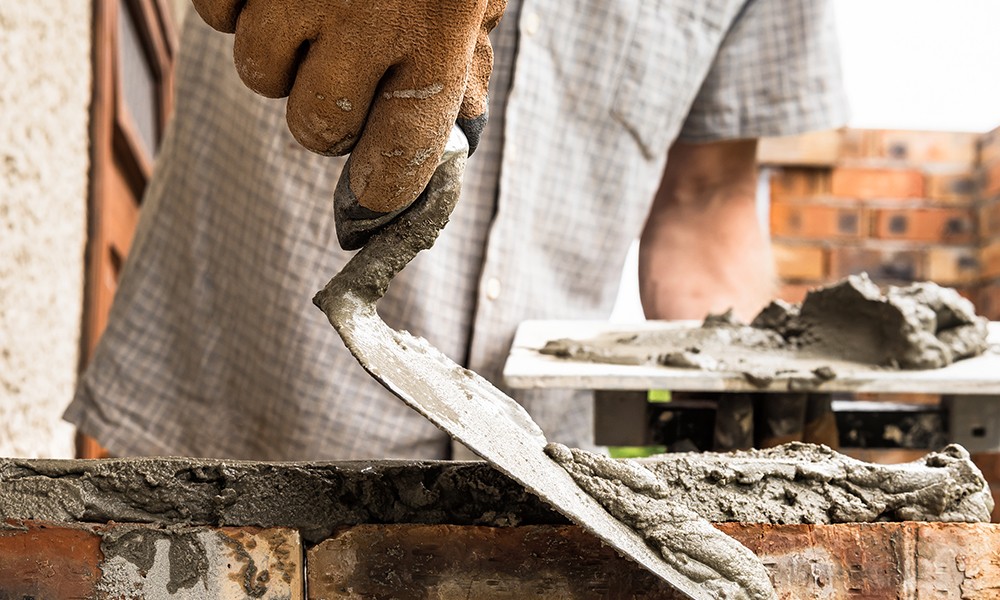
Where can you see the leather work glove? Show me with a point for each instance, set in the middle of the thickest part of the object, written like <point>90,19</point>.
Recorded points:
<point>381,79</point>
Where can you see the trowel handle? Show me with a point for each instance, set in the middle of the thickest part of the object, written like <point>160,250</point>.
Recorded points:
<point>369,272</point>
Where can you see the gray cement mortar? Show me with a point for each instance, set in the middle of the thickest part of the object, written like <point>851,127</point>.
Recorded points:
<point>671,500</point>
<point>800,484</point>
<point>848,326</point>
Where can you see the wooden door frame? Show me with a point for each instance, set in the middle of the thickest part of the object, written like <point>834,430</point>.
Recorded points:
<point>115,146</point>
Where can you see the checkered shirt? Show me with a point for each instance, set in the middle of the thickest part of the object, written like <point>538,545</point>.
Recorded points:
<point>214,348</point>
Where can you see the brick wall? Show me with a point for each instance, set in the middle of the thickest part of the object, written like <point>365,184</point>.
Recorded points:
<point>902,205</point>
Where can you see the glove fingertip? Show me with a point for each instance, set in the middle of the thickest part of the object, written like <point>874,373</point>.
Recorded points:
<point>355,224</point>
<point>473,129</point>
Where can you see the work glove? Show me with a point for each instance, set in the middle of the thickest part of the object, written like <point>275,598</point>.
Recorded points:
<point>383,80</point>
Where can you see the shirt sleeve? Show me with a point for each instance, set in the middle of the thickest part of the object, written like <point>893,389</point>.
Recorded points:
<point>777,72</point>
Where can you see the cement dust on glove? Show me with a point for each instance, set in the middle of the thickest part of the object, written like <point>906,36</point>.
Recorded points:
<point>384,81</point>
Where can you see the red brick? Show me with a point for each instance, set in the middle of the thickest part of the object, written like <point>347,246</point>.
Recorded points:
<point>949,187</point>
<point>910,147</point>
<point>874,561</point>
<point>989,219</point>
<point>799,262</point>
<point>988,301</point>
<point>991,179</point>
<point>882,264</point>
<point>953,265</point>
<point>795,292</point>
<point>817,221</point>
<point>799,183</point>
<point>43,561</point>
<point>867,184</point>
<point>989,147</point>
<point>884,456</point>
<point>989,260</point>
<point>816,148</point>
<point>947,225</point>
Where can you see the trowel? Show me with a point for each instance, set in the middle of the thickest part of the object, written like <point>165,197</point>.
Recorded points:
<point>460,402</point>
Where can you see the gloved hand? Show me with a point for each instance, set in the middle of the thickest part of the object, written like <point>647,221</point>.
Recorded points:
<point>381,79</point>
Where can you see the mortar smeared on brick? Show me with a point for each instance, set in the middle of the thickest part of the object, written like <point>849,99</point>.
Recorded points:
<point>136,549</point>
<point>842,327</point>
<point>666,500</point>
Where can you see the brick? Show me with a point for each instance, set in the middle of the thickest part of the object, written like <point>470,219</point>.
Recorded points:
<point>53,560</point>
<point>882,264</point>
<point>991,179</point>
<point>910,147</point>
<point>816,148</point>
<point>989,147</point>
<point>964,558</point>
<point>240,562</point>
<point>988,301</point>
<point>817,221</point>
<point>989,219</point>
<point>799,262</point>
<point>794,292</point>
<point>989,464</point>
<point>946,225</point>
<point>799,183</point>
<point>949,187</point>
<point>989,260</point>
<point>953,265</point>
<point>875,561</point>
<point>48,561</point>
<point>884,456</point>
<point>868,184</point>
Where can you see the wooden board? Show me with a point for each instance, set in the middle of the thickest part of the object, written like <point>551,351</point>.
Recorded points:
<point>527,368</point>
<point>874,561</point>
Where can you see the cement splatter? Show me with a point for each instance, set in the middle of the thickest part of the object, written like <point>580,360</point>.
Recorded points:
<point>837,328</point>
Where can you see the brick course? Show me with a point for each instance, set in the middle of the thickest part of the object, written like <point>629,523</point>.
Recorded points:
<point>899,205</point>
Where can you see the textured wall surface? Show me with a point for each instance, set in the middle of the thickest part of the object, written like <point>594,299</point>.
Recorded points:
<point>44,101</point>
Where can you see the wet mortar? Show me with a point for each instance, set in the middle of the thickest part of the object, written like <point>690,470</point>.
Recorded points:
<point>847,326</point>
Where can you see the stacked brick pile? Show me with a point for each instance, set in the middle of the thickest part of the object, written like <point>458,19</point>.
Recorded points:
<point>903,206</point>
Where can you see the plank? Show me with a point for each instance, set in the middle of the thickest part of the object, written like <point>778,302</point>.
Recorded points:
<point>874,561</point>
<point>526,368</point>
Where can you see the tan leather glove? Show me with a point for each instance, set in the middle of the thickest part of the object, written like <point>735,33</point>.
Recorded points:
<point>381,79</point>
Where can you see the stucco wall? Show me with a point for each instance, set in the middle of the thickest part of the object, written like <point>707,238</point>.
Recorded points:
<point>44,101</point>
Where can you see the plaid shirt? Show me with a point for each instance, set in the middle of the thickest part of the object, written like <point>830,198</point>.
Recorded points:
<point>213,346</point>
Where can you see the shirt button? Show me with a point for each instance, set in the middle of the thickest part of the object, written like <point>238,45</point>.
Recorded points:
<point>530,23</point>
<point>493,288</point>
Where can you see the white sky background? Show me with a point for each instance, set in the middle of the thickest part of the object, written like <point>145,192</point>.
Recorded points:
<point>921,64</point>
<point>908,64</point>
